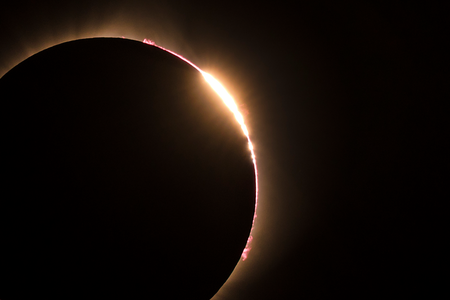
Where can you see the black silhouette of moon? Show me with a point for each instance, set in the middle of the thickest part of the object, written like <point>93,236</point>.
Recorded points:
<point>126,177</point>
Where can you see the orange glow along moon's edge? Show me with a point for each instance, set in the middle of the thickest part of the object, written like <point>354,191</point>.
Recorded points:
<point>231,104</point>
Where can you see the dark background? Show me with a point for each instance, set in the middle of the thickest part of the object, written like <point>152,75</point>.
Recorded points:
<point>346,109</point>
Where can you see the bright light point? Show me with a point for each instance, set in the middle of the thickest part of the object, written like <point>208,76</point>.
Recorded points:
<point>223,93</point>
<point>231,104</point>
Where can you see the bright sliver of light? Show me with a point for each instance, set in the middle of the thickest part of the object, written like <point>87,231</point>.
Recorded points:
<point>231,104</point>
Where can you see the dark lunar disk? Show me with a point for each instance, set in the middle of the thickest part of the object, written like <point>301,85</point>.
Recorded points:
<point>125,177</point>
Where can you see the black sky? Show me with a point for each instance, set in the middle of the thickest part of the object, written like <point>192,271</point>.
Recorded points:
<point>346,112</point>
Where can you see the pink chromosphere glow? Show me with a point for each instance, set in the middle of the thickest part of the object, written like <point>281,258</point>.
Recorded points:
<point>231,104</point>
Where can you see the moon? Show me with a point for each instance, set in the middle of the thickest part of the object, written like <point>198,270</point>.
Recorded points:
<point>127,176</point>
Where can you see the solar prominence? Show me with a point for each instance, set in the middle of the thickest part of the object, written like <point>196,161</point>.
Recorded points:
<point>231,104</point>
